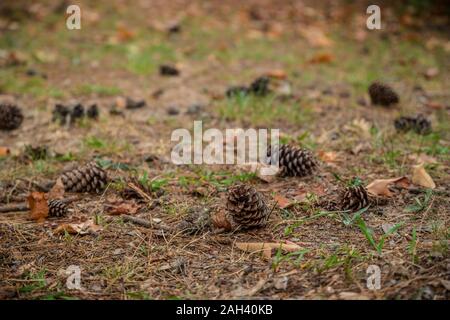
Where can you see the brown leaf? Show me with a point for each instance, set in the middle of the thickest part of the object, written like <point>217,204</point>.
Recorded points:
<point>422,178</point>
<point>78,228</point>
<point>361,126</point>
<point>119,208</point>
<point>435,105</point>
<point>277,74</point>
<point>328,156</point>
<point>316,37</point>
<point>322,58</point>
<point>362,146</point>
<point>123,34</point>
<point>37,202</point>
<point>431,73</point>
<point>57,191</point>
<point>422,158</point>
<point>220,221</point>
<point>380,187</point>
<point>4,151</point>
<point>352,296</point>
<point>283,202</point>
<point>266,247</point>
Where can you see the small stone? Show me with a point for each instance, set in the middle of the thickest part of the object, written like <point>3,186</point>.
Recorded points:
<point>194,109</point>
<point>134,104</point>
<point>173,111</point>
<point>117,251</point>
<point>166,70</point>
<point>281,283</point>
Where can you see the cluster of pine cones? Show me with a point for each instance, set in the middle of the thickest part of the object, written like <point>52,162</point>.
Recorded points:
<point>71,113</point>
<point>246,207</point>
<point>419,124</point>
<point>259,87</point>
<point>88,178</point>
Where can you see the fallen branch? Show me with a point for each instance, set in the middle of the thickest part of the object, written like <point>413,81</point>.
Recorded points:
<point>144,222</point>
<point>23,206</point>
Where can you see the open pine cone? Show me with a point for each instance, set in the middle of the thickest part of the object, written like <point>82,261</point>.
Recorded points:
<point>354,198</point>
<point>418,124</point>
<point>382,94</point>
<point>295,161</point>
<point>88,178</point>
<point>57,208</point>
<point>11,117</point>
<point>246,207</point>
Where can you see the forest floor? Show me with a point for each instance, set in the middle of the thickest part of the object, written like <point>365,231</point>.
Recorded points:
<point>322,55</point>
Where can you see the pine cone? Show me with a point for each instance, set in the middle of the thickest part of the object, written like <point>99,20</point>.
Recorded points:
<point>57,208</point>
<point>88,178</point>
<point>11,117</point>
<point>295,161</point>
<point>246,207</point>
<point>60,114</point>
<point>260,86</point>
<point>354,198</point>
<point>93,112</point>
<point>236,91</point>
<point>418,124</point>
<point>166,70</point>
<point>77,112</point>
<point>382,94</point>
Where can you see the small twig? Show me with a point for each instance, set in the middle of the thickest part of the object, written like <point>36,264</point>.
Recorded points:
<point>144,222</point>
<point>140,191</point>
<point>23,206</point>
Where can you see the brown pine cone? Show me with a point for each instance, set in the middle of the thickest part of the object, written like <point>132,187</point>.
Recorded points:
<point>57,208</point>
<point>11,117</point>
<point>247,207</point>
<point>295,161</point>
<point>382,94</point>
<point>354,198</point>
<point>88,178</point>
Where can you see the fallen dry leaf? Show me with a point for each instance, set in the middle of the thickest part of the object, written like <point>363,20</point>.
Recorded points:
<point>119,208</point>
<point>57,191</point>
<point>422,158</point>
<point>220,221</point>
<point>435,105</point>
<point>328,156</point>
<point>283,202</point>
<point>4,151</point>
<point>123,34</point>
<point>316,37</point>
<point>78,228</point>
<point>321,58</point>
<point>421,177</point>
<point>431,73</point>
<point>266,247</point>
<point>277,74</point>
<point>380,187</point>
<point>362,127</point>
<point>362,146</point>
<point>37,202</point>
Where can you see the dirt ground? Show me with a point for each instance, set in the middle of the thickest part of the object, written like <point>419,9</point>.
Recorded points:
<point>321,59</point>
